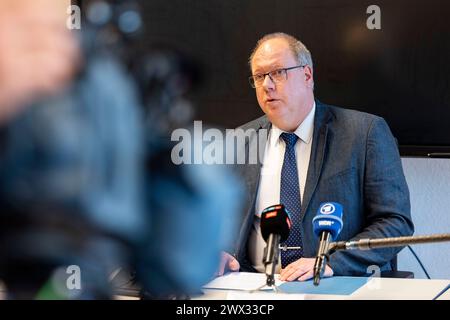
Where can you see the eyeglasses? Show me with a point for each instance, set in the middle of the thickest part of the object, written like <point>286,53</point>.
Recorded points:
<point>277,76</point>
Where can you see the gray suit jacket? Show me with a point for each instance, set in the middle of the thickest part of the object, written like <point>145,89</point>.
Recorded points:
<point>355,162</point>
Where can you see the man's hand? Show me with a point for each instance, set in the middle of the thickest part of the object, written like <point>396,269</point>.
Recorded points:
<point>302,270</point>
<point>227,262</point>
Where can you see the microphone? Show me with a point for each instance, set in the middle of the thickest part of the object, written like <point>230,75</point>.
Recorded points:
<point>275,226</point>
<point>327,225</point>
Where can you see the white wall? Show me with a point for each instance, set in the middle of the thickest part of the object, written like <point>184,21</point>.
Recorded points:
<point>429,186</point>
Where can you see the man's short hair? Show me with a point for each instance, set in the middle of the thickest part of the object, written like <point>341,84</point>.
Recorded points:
<point>299,50</point>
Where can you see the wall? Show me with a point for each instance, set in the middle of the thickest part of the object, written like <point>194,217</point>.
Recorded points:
<point>429,185</point>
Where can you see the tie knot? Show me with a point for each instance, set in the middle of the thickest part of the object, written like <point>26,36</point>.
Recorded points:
<point>289,138</point>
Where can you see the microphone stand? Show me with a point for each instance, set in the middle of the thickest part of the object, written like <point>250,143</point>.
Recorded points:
<point>322,256</point>
<point>271,258</point>
<point>369,244</point>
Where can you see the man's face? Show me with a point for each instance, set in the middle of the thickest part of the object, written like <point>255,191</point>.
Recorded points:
<point>286,103</point>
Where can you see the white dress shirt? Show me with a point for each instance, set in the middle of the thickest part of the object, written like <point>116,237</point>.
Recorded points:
<point>270,181</point>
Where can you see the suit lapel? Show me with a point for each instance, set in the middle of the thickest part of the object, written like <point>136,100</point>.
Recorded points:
<point>254,171</point>
<point>318,151</point>
<point>251,174</point>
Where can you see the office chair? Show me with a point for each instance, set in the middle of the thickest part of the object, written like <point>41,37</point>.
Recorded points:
<point>394,273</point>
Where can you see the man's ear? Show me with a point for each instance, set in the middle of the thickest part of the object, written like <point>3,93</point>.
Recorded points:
<point>309,75</point>
<point>308,72</point>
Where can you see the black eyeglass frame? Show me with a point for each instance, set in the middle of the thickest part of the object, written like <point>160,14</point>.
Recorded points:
<point>251,78</point>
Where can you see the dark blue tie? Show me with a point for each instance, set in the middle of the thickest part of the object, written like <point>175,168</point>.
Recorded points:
<point>290,197</point>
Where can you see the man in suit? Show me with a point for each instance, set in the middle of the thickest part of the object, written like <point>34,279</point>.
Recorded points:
<point>317,153</point>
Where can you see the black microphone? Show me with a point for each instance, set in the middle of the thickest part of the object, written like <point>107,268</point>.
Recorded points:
<point>275,226</point>
<point>327,225</point>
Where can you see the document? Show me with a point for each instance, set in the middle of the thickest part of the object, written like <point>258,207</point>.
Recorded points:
<point>242,281</point>
<point>263,295</point>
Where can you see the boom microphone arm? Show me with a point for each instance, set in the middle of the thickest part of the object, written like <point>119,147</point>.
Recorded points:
<point>368,244</point>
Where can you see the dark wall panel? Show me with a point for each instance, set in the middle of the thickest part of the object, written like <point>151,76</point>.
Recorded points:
<point>401,72</point>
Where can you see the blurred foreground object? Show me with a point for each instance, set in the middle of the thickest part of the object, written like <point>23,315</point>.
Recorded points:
<point>192,209</point>
<point>69,180</point>
<point>38,55</point>
<point>86,178</point>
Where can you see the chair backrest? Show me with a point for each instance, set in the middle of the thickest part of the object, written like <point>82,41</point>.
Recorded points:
<point>393,263</point>
<point>394,273</point>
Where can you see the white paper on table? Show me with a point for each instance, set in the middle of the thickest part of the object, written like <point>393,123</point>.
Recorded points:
<point>267,295</point>
<point>242,281</point>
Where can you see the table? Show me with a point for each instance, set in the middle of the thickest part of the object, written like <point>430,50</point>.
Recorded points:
<point>372,289</point>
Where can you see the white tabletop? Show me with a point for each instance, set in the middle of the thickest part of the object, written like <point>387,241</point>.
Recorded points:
<point>372,289</point>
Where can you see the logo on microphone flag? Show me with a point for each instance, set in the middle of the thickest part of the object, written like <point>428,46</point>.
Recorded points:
<point>327,208</point>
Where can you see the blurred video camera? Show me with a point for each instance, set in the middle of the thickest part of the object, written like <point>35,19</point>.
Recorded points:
<point>86,178</point>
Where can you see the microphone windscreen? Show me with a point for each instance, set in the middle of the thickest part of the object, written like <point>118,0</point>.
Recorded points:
<point>329,219</point>
<point>275,219</point>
